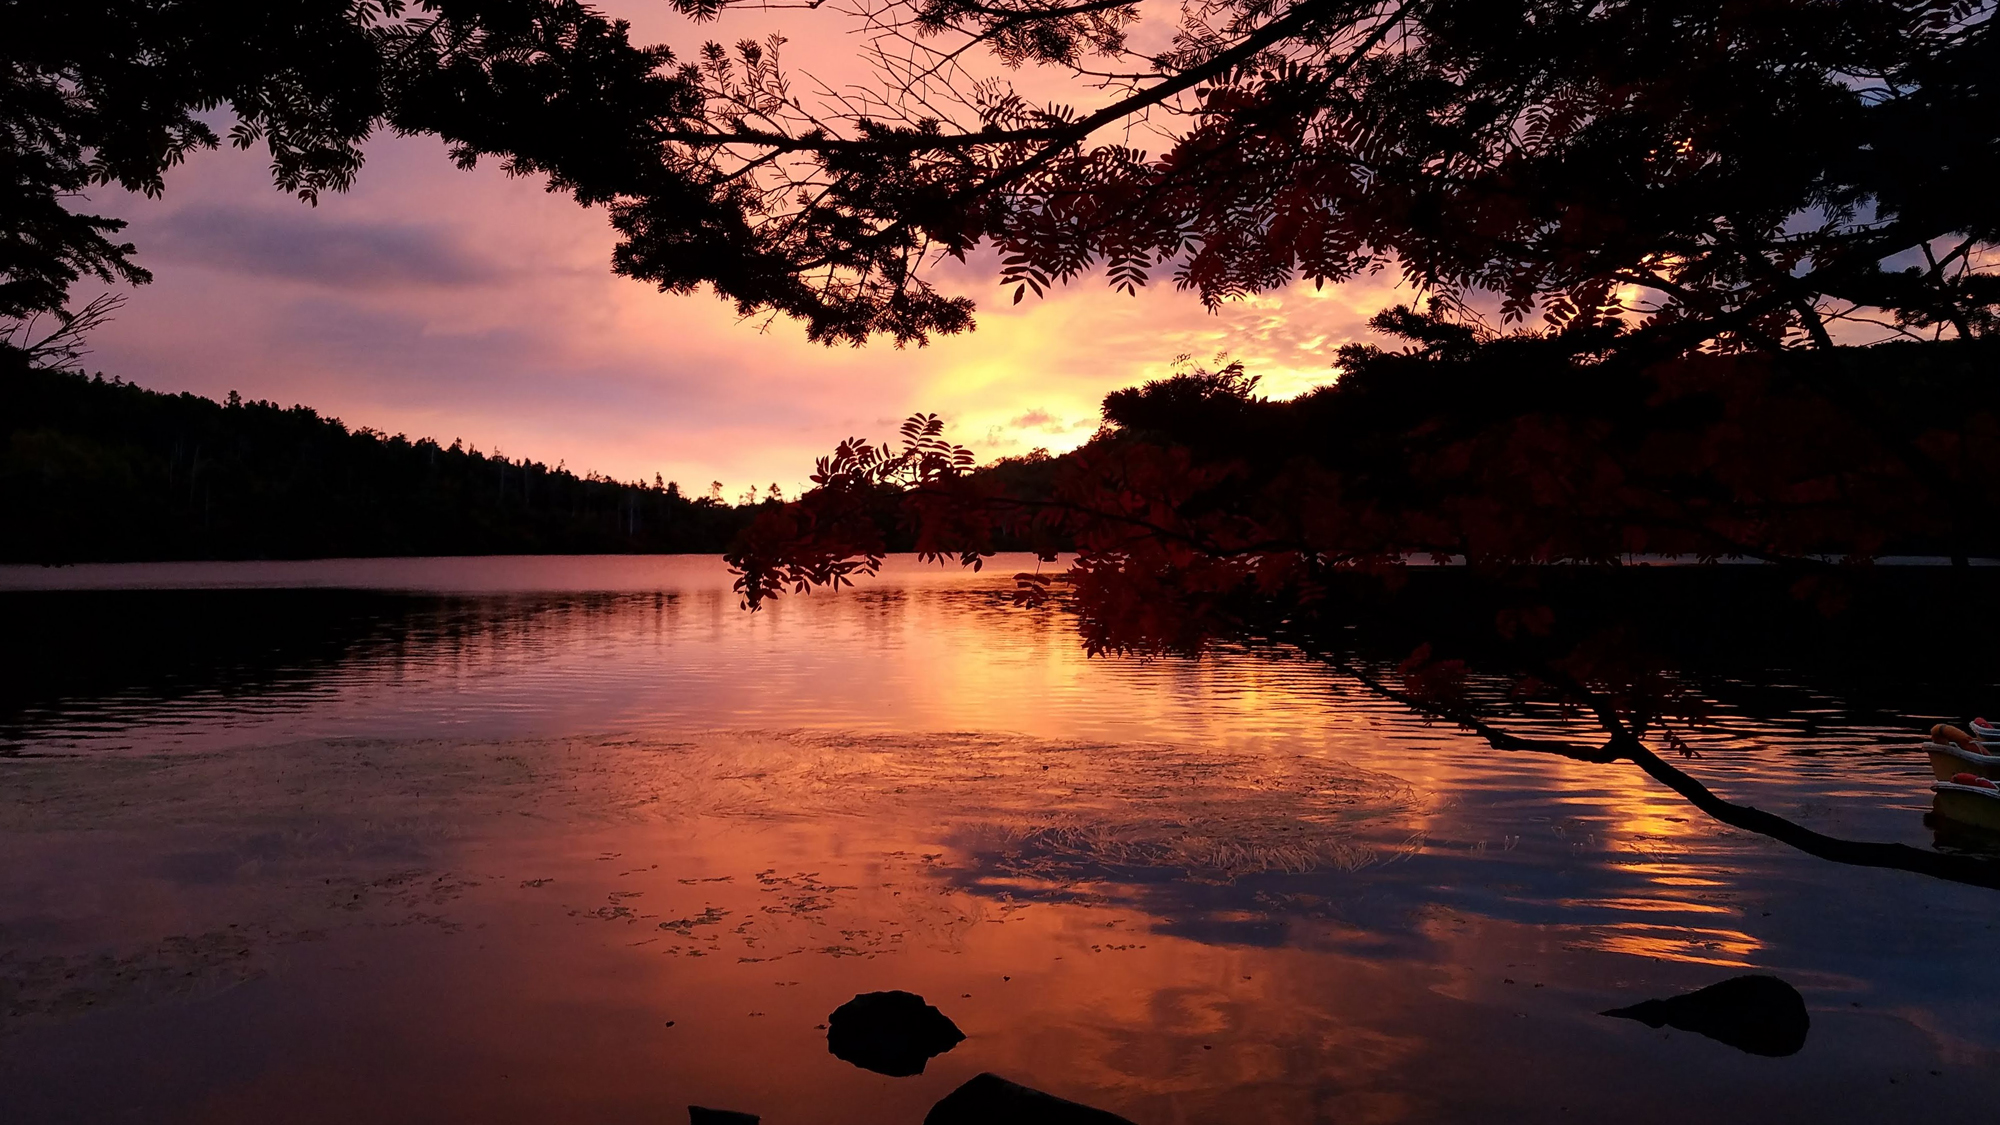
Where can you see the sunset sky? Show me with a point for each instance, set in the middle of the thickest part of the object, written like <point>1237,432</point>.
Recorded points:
<point>432,301</point>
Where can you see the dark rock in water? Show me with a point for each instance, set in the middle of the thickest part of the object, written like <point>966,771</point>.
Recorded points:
<point>1758,1014</point>
<point>700,1115</point>
<point>992,1100</point>
<point>892,1033</point>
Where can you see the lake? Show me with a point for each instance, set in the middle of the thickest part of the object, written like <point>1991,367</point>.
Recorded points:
<point>580,840</point>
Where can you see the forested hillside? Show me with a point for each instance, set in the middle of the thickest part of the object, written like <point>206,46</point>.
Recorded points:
<point>99,470</point>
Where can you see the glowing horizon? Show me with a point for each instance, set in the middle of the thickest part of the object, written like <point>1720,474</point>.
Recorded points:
<point>440,303</point>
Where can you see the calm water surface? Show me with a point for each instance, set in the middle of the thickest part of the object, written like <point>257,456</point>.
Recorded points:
<point>555,840</point>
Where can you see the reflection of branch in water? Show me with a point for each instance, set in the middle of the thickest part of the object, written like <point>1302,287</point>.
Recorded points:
<point>1623,745</point>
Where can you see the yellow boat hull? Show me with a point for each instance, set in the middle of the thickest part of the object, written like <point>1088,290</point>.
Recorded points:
<point>1948,761</point>
<point>1968,804</point>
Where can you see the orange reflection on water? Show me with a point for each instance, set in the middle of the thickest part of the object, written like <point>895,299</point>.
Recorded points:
<point>1673,943</point>
<point>595,855</point>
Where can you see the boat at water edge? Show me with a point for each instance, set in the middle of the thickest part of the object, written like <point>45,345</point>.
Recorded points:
<point>1968,803</point>
<point>1950,759</point>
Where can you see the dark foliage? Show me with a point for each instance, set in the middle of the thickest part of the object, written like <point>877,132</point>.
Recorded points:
<point>1523,451</point>
<point>1737,174</point>
<point>97,92</point>
<point>1534,449</point>
<point>1733,173</point>
<point>92,470</point>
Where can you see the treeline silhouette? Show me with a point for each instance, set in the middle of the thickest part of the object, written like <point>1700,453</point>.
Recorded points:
<point>101,470</point>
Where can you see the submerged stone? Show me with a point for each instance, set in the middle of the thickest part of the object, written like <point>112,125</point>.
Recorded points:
<point>1761,1015</point>
<point>702,1115</point>
<point>892,1033</point>
<point>992,1100</point>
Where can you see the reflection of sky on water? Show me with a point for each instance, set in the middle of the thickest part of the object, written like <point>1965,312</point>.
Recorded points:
<point>1288,895</point>
<point>935,655</point>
